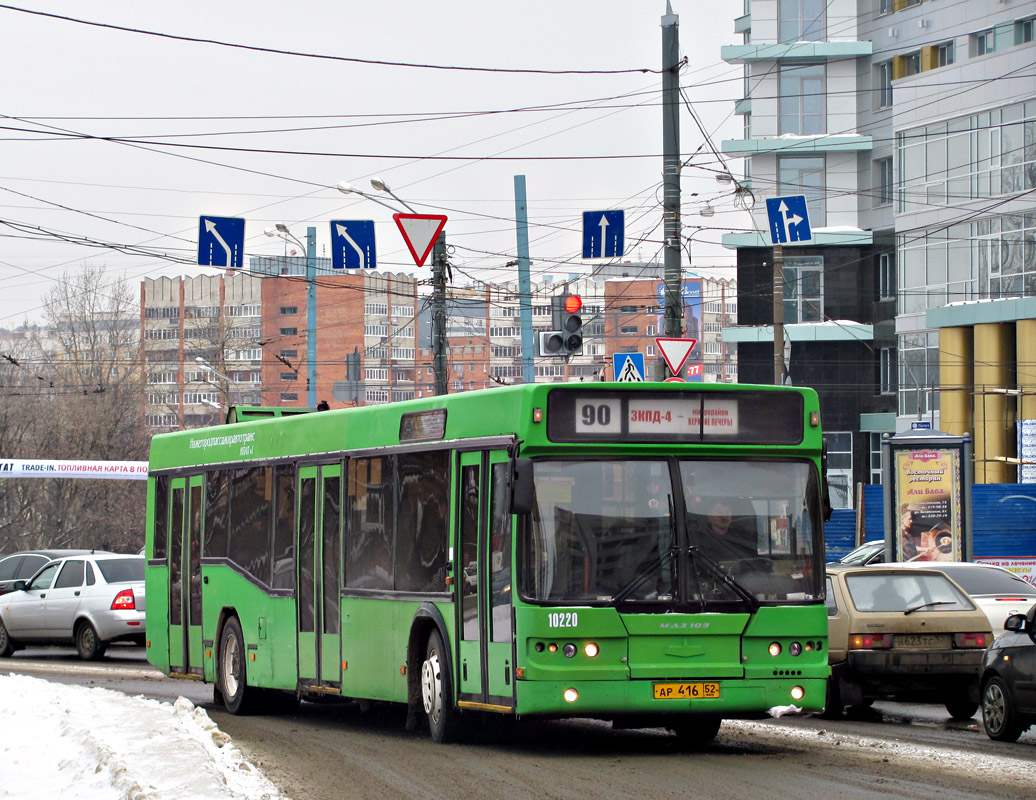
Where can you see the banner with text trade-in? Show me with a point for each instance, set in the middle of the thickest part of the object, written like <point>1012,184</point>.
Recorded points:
<point>927,499</point>
<point>56,468</point>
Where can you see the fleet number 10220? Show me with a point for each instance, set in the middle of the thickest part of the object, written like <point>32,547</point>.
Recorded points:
<point>563,619</point>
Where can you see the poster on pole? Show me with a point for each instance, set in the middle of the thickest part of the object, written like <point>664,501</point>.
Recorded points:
<point>927,504</point>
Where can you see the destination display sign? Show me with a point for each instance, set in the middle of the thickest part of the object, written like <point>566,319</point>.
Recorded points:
<point>575,415</point>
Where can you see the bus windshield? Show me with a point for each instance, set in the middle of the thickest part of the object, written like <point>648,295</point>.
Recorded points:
<point>681,532</point>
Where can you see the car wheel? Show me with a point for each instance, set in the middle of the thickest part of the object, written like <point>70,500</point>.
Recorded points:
<point>88,643</point>
<point>998,713</point>
<point>961,709</point>
<point>436,691</point>
<point>233,682</point>
<point>6,645</point>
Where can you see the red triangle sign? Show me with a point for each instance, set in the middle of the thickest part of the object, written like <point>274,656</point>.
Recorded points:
<point>420,232</point>
<point>675,352</point>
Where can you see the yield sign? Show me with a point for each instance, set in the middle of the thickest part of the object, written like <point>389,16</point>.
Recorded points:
<point>675,352</point>
<point>420,232</point>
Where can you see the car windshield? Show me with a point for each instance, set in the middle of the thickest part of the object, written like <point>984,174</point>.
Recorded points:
<point>982,580</point>
<point>905,592</point>
<point>675,532</point>
<point>862,554</point>
<point>121,570</point>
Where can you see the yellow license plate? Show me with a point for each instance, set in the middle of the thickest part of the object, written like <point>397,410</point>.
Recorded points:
<point>686,691</point>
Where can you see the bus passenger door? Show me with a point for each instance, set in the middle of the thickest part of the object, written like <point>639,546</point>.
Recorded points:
<point>486,658</point>
<point>193,518</point>
<point>185,651</point>
<point>319,558</point>
<point>308,580</point>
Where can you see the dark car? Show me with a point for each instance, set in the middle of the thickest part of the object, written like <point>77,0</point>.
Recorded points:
<point>23,565</point>
<point>1009,679</point>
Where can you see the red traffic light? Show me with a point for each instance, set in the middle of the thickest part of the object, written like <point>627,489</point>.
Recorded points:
<point>573,303</point>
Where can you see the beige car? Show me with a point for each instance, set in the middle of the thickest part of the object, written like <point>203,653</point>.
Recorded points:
<point>905,634</point>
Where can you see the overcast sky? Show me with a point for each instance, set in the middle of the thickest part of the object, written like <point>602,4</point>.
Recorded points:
<point>183,111</point>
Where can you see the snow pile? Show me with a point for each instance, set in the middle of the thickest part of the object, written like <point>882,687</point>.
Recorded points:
<point>98,744</point>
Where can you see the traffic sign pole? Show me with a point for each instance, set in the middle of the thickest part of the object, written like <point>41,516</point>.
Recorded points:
<point>778,315</point>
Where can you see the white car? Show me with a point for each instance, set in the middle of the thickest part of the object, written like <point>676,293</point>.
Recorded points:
<point>88,600</point>
<point>996,591</point>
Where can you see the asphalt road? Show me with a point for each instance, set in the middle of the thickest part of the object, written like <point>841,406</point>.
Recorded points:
<point>325,751</point>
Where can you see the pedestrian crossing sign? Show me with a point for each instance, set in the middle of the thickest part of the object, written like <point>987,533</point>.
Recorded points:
<point>628,367</point>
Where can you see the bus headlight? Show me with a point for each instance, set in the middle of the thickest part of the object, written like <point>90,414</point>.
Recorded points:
<point>571,695</point>
<point>797,692</point>
<point>591,650</point>
<point>775,649</point>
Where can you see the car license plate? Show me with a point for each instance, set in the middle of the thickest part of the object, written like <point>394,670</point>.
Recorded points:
<point>922,641</point>
<point>689,691</point>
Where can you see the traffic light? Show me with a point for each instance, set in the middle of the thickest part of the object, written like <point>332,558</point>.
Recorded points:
<point>572,324</point>
<point>567,337</point>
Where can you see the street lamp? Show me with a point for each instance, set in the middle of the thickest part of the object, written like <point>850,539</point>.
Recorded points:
<point>438,280</point>
<point>207,367</point>
<point>281,230</point>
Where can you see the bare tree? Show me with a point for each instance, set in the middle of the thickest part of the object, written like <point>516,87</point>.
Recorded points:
<point>86,405</point>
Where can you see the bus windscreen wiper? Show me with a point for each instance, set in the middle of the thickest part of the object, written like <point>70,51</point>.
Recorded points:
<point>641,576</point>
<point>695,552</point>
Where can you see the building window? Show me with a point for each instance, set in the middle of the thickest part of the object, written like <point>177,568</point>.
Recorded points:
<point>908,64</point>
<point>883,84</point>
<point>885,180</point>
<point>840,468</point>
<point>629,330</point>
<point>289,331</point>
<point>982,42</point>
<point>884,7</point>
<point>289,376</point>
<point>1023,31</point>
<point>804,175</point>
<point>802,93</point>
<point>803,289</point>
<point>875,456</point>
<point>944,54</point>
<point>289,309</point>
<point>289,396</point>
<point>289,353</point>
<point>887,370</point>
<point>800,20</point>
<point>886,276</point>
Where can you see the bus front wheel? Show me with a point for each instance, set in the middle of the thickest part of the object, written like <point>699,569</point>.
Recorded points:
<point>436,690</point>
<point>233,685</point>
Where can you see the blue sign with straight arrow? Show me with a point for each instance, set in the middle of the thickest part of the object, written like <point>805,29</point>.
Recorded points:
<point>352,244</point>
<point>604,234</point>
<point>221,242</point>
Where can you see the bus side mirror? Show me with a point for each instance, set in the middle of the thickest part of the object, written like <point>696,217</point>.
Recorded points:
<point>523,494</point>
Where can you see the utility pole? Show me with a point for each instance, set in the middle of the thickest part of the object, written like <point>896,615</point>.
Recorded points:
<point>671,172</point>
<point>311,317</point>
<point>439,265</point>
<point>521,216</point>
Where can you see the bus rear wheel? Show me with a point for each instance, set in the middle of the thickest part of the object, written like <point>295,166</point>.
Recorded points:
<point>436,690</point>
<point>696,730</point>
<point>233,683</point>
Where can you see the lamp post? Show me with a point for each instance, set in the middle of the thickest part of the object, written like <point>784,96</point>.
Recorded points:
<point>281,230</point>
<point>438,280</point>
<point>225,388</point>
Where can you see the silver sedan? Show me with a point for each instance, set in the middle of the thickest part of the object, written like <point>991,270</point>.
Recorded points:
<point>86,600</point>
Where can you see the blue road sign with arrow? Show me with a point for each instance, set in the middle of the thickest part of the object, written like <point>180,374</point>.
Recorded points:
<point>352,244</point>
<point>789,222</point>
<point>604,234</point>
<point>221,242</point>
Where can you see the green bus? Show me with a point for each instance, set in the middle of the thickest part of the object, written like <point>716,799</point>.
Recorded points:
<point>644,553</point>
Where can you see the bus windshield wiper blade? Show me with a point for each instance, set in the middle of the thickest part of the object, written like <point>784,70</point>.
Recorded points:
<point>912,609</point>
<point>640,577</point>
<point>695,551</point>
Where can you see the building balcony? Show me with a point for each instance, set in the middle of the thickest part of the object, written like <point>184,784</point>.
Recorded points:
<point>831,331</point>
<point>791,144</point>
<point>795,51</point>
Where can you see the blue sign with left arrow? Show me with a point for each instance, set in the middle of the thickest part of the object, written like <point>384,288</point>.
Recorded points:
<point>604,234</point>
<point>789,222</point>
<point>352,244</point>
<point>221,242</point>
